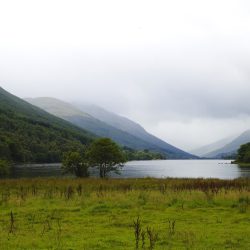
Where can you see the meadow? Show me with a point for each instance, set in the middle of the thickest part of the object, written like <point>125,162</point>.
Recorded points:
<point>124,214</point>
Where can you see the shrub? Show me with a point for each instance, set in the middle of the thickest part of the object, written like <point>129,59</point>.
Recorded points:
<point>75,164</point>
<point>5,168</point>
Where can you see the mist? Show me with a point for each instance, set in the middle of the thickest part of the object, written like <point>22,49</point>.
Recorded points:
<point>179,68</point>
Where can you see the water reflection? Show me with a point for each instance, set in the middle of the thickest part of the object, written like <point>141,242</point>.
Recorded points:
<point>221,169</point>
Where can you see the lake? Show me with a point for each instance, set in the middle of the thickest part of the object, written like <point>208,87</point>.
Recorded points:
<point>221,169</point>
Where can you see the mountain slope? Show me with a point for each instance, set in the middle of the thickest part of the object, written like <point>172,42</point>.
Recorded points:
<point>232,147</point>
<point>134,129</point>
<point>100,128</point>
<point>202,151</point>
<point>29,134</point>
<point>70,113</point>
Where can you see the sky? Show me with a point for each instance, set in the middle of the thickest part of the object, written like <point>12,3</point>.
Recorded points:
<point>179,68</point>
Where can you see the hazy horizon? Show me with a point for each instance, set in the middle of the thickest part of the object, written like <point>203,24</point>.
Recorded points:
<point>179,68</point>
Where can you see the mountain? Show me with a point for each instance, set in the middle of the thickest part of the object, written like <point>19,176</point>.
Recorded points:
<point>29,134</point>
<point>232,147</point>
<point>134,129</point>
<point>68,112</point>
<point>202,151</point>
<point>107,124</point>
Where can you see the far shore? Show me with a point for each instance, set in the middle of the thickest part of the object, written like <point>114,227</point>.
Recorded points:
<point>241,164</point>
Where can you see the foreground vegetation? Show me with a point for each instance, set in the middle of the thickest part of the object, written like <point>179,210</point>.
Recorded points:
<point>124,214</point>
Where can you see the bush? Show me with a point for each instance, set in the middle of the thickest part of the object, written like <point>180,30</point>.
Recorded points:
<point>5,168</point>
<point>75,164</point>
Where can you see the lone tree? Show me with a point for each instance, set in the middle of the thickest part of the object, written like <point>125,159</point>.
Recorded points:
<point>75,164</point>
<point>106,155</point>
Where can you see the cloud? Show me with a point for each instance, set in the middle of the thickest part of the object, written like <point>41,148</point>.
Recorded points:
<point>180,68</point>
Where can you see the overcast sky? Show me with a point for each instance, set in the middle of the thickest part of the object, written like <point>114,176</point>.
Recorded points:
<point>179,68</point>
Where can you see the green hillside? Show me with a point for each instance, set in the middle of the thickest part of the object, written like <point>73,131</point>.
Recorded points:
<point>29,134</point>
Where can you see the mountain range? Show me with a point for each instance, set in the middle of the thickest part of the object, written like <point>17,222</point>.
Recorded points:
<point>42,129</point>
<point>107,124</point>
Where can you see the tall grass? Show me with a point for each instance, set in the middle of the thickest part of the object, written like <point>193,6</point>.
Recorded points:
<point>124,214</point>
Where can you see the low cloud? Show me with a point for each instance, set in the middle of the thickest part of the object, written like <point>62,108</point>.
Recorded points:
<point>182,72</point>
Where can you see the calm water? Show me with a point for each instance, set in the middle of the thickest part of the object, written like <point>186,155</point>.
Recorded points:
<point>221,169</point>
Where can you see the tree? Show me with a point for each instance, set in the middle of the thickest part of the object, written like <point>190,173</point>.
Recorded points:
<point>244,153</point>
<point>75,164</point>
<point>106,155</point>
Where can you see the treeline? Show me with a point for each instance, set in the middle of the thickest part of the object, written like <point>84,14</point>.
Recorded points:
<point>139,155</point>
<point>23,143</point>
<point>244,154</point>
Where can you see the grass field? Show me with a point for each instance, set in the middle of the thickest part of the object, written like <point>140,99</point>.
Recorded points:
<point>123,214</point>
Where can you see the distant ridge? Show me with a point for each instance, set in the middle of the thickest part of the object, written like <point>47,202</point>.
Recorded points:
<point>203,151</point>
<point>122,130</point>
<point>232,147</point>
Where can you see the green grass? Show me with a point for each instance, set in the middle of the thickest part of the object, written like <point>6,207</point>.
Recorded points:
<point>244,164</point>
<point>100,214</point>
